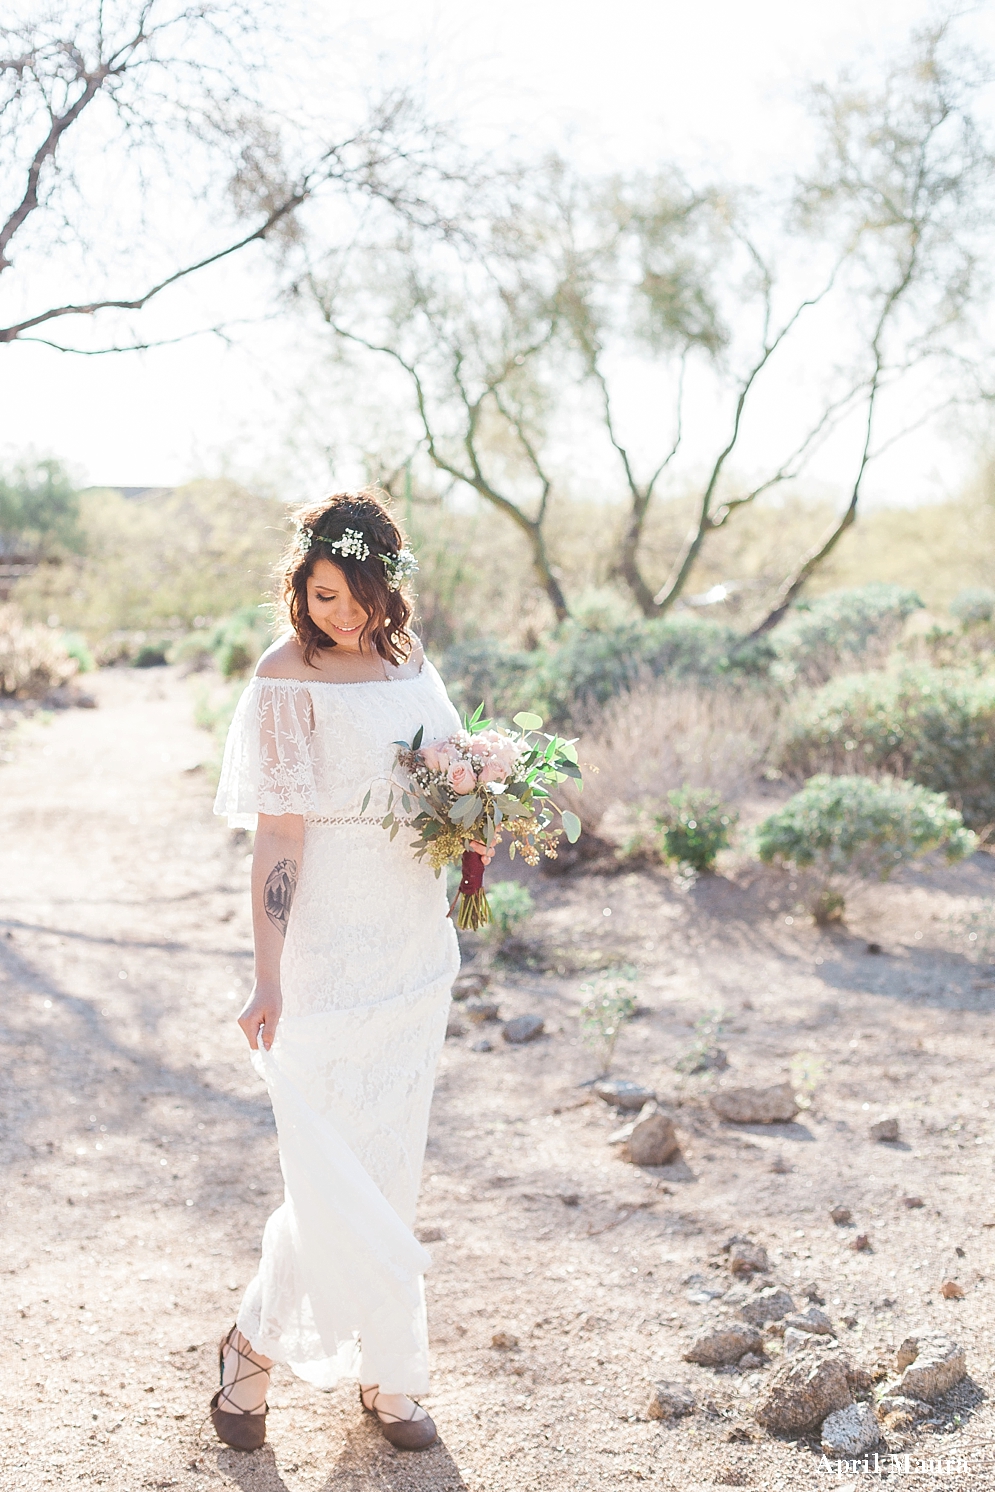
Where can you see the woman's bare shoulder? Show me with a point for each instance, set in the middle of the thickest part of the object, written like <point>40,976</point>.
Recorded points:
<point>284,659</point>
<point>417,654</point>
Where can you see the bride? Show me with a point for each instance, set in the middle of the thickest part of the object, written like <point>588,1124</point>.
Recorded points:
<point>354,962</point>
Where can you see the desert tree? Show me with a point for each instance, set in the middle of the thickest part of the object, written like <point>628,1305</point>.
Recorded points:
<point>144,141</point>
<point>864,276</point>
<point>905,177</point>
<point>472,329</point>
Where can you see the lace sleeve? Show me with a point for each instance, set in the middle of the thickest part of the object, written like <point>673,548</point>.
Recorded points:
<point>268,765</point>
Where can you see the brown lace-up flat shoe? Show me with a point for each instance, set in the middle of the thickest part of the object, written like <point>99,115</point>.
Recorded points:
<point>243,1429</point>
<point>406,1434</point>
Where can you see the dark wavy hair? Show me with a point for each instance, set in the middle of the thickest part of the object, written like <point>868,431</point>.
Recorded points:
<point>388,611</point>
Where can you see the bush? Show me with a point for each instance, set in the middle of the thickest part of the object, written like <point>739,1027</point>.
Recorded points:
<point>581,668</point>
<point>695,827</point>
<point>664,737</point>
<point>690,830</point>
<point>484,671</point>
<point>76,647</point>
<point>977,604</point>
<point>935,726</point>
<point>511,904</point>
<point>238,642</point>
<point>150,655</point>
<point>839,831</point>
<point>820,637</point>
<point>609,1004</point>
<point>33,659</point>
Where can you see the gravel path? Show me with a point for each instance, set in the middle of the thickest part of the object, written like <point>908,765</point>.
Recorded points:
<point>140,1158</point>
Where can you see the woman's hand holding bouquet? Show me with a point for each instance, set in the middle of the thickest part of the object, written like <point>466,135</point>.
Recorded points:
<point>474,787</point>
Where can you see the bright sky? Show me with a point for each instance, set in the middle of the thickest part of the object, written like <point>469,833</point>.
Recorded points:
<point>619,83</point>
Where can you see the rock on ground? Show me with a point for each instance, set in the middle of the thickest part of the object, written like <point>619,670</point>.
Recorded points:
<point>910,1409</point>
<point>772,1304</point>
<point>802,1393</point>
<point>478,1010</point>
<point>774,1105</point>
<point>624,1095</point>
<point>727,1345</point>
<point>932,1365</point>
<point>848,1433</point>
<point>470,984</point>
<point>841,1216</point>
<point>650,1139</point>
<point>884,1129</point>
<point>670,1401</point>
<point>523,1028</point>
<point>813,1320</point>
<point>746,1257</point>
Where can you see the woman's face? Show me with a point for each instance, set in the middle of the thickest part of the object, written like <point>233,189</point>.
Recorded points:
<point>333,607</point>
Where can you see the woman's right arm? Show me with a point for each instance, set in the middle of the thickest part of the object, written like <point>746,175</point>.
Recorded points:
<point>276,861</point>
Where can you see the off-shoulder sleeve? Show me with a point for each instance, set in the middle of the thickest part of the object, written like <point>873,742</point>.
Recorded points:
<point>268,765</point>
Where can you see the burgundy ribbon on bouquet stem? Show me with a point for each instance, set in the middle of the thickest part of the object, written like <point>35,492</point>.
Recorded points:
<point>472,881</point>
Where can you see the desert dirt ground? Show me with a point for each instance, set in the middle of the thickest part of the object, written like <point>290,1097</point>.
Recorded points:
<point>140,1162</point>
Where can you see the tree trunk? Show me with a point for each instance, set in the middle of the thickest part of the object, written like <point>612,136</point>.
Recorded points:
<point>627,565</point>
<point>794,583</point>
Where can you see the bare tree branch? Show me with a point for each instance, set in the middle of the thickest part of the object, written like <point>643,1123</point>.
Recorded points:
<point>473,474</point>
<point>681,570</point>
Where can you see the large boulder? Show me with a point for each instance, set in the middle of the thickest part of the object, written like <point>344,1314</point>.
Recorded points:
<point>930,1364</point>
<point>727,1345</point>
<point>775,1105</point>
<point>801,1393</point>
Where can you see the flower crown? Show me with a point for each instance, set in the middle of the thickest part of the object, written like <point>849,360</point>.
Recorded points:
<point>398,567</point>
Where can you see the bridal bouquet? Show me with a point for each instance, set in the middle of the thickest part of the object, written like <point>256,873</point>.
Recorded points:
<point>475,786</point>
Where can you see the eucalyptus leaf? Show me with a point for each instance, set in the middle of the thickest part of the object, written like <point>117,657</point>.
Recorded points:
<point>571,826</point>
<point>366,801</point>
<point>528,721</point>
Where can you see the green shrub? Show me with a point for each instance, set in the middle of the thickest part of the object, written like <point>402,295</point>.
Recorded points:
<point>484,671</point>
<point>192,653</point>
<point>695,825</point>
<point>977,604</point>
<point>935,726</point>
<point>580,668</point>
<point>690,830</point>
<point>150,655</point>
<point>820,637</point>
<point>238,642</point>
<point>511,904</point>
<point>609,1004</point>
<point>76,646</point>
<point>839,831</point>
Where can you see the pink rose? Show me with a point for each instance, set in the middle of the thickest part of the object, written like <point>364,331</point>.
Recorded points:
<point>493,771</point>
<point>436,757</point>
<point>461,778</point>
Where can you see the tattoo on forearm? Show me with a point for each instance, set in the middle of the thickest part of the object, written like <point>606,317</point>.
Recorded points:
<point>278,893</point>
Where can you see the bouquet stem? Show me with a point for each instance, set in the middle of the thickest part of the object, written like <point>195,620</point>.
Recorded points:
<point>474,910</point>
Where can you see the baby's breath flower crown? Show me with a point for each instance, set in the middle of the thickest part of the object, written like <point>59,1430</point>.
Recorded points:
<point>398,567</point>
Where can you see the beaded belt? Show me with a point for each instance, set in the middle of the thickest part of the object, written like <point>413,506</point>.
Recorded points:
<point>357,818</point>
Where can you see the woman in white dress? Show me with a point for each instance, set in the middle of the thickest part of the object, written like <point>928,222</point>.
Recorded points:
<point>354,963</point>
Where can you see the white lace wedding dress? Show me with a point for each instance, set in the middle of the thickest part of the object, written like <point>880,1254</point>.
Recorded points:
<point>366,974</point>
